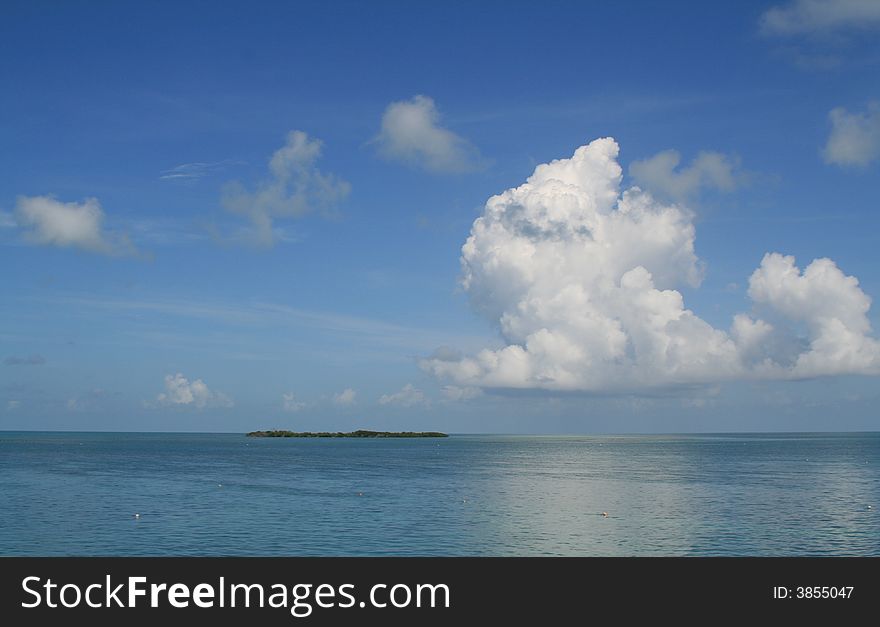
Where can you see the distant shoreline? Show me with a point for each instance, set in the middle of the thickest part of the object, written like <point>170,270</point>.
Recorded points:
<point>360,433</point>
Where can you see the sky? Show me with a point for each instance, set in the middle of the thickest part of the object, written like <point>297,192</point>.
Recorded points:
<point>565,217</point>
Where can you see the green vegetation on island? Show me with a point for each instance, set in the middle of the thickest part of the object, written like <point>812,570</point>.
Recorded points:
<point>360,433</point>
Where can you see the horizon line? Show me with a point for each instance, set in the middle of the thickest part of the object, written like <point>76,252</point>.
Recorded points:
<point>606,434</point>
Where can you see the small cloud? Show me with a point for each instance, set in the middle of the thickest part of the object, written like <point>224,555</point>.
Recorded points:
<point>289,403</point>
<point>32,360</point>
<point>294,188</point>
<point>7,220</point>
<point>662,175</point>
<point>12,405</point>
<point>86,401</point>
<point>855,137</point>
<point>411,133</point>
<point>69,225</point>
<point>816,17</point>
<point>345,397</point>
<point>196,170</point>
<point>697,403</point>
<point>181,391</point>
<point>408,396</point>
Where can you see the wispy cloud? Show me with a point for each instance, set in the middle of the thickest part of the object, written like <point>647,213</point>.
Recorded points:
<point>375,336</point>
<point>165,231</point>
<point>820,35</point>
<point>196,170</point>
<point>808,17</point>
<point>32,360</point>
<point>456,393</point>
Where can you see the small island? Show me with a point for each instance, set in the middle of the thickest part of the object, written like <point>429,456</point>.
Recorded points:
<point>360,433</point>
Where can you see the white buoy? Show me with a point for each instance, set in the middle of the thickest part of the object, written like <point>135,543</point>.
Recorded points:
<point>137,515</point>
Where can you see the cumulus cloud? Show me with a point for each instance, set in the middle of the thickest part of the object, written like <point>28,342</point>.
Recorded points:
<point>411,133</point>
<point>289,403</point>
<point>581,279</point>
<point>804,17</point>
<point>181,391</point>
<point>31,360</point>
<point>12,405</point>
<point>855,137</point>
<point>345,397</point>
<point>68,225</point>
<point>831,307</point>
<point>295,187</point>
<point>408,396</point>
<point>662,175</point>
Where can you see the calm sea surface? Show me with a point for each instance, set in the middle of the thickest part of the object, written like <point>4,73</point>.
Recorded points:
<point>743,494</point>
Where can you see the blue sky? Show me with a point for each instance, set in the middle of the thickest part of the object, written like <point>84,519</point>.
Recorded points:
<point>315,292</point>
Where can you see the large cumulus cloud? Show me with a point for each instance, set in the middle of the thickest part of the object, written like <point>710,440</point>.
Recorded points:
<point>582,281</point>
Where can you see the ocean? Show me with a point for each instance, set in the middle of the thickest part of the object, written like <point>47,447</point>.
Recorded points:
<point>226,494</point>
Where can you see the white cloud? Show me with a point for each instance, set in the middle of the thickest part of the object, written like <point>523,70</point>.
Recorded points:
<point>411,133</point>
<point>801,17</point>
<point>831,307</point>
<point>294,188</point>
<point>77,225</point>
<point>7,220</point>
<point>855,137</point>
<point>408,396</point>
<point>345,397</point>
<point>181,391</point>
<point>581,280</point>
<point>661,174</point>
<point>289,403</point>
<point>12,405</point>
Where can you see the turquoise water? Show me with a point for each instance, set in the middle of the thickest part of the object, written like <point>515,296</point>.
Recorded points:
<point>220,494</point>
